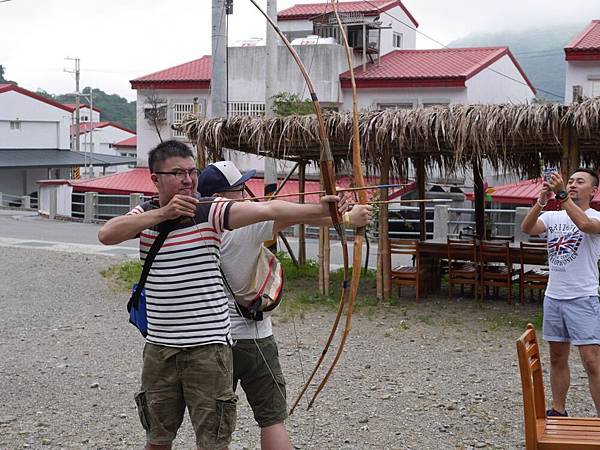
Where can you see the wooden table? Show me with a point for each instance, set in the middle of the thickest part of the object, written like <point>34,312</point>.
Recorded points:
<point>432,250</point>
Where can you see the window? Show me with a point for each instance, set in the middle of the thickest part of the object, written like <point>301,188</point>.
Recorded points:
<point>397,40</point>
<point>402,105</point>
<point>155,112</point>
<point>595,88</point>
<point>246,109</point>
<point>83,118</point>
<point>180,110</point>
<point>430,104</point>
<point>15,125</point>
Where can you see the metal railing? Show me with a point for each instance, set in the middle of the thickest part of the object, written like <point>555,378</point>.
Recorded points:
<point>500,221</point>
<point>18,201</point>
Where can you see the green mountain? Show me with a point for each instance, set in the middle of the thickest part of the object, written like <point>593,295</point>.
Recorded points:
<point>114,108</point>
<point>539,51</point>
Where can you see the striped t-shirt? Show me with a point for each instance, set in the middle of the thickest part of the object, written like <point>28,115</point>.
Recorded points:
<point>185,300</point>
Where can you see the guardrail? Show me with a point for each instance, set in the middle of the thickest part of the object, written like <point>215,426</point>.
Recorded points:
<point>18,201</point>
<point>441,220</point>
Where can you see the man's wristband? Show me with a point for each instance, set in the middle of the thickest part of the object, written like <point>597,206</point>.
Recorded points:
<point>540,204</point>
<point>347,219</point>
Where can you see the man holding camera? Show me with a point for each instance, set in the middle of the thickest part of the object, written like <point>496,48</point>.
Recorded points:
<point>571,307</point>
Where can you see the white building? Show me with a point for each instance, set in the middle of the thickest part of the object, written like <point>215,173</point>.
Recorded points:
<point>34,141</point>
<point>583,62</point>
<point>99,138</point>
<point>85,113</point>
<point>394,74</point>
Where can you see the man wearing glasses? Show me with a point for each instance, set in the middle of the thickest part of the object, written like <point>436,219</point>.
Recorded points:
<point>255,355</point>
<point>187,359</point>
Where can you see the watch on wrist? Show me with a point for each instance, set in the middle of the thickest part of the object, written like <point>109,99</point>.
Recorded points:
<point>561,196</point>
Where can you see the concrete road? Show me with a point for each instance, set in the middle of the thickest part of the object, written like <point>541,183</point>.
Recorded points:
<point>26,229</point>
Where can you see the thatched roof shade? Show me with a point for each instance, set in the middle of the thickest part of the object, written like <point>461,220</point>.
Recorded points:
<point>510,136</point>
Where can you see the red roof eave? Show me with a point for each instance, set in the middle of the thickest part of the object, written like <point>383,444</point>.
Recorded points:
<point>200,84</point>
<point>367,13</point>
<point>20,90</point>
<point>449,82</point>
<point>582,55</point>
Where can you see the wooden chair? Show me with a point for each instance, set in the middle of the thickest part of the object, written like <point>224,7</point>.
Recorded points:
<point>404,275</point>
<point>533,279</point>
<point>495,267</point>
<point>462,265</point>
<point>548,433</point>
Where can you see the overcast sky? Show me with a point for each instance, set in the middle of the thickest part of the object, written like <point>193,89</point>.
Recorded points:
<point>118,40</point>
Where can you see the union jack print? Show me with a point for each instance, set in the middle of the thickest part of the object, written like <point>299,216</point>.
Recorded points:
<point>565,245</point>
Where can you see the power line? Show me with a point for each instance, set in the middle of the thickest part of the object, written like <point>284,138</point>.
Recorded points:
<point>464,56</point>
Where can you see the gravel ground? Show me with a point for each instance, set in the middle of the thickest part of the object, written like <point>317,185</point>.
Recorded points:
<point>434,375</point>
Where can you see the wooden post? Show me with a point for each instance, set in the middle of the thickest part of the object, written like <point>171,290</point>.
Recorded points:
<point>570,152</point>
<point>383,255</point>
<point>479,200</point>
<point>570,142</point>
<point>301,228</point>
<point>420,163</point>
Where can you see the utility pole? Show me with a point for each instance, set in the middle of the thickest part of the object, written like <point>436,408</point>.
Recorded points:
<point>76,72</point>
<point>218,81</point>
<point>270,172</point>
<point>270,168</point>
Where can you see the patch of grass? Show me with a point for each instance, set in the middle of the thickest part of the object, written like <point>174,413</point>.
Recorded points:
<point>124,275</point>
<point>426,319</point>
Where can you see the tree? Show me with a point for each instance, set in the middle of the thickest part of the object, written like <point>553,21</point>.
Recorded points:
<point>155,111</point>
<point>288,104</point>
<point>2,79</point>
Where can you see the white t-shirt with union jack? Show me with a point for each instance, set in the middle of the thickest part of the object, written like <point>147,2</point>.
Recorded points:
<point>572,256</point>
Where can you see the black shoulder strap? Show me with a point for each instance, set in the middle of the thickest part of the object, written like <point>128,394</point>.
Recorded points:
<point>165,228</point>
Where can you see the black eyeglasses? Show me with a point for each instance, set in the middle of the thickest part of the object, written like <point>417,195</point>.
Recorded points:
<point>181,174</point>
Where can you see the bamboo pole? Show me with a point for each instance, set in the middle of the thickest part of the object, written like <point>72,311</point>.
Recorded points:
<point>301,227</point>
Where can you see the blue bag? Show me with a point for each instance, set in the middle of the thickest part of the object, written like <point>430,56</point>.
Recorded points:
<point>136,306</point>
<point>137,309</point>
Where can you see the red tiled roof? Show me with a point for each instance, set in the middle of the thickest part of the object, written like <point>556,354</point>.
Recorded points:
<point>20,90</point>
<point>586,45</point>
<point>525,193</point>
<point>122,183</point>
<point>138,180</point>
<point>84,127</point>
<point>129,142</point>
<point>191,75</point>
<point>81,105</point>
<point>447,67</point>
<point>368,8</point>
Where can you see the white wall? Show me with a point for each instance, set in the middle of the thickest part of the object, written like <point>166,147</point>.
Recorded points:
<point>21,181</point>
<point>63,198</point>
<point>370,98</point>
<point>84,111</point>
<point>42,125</point>
<point>581,73</point>
<point>103,138</point>
<point>409,35</point>
<point>488,86</point>
<point>323,62</point>
<point>147,137</point>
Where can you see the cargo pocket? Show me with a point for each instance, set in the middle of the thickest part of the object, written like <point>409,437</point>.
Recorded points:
<point>142,407</point>
<point>226,416</point>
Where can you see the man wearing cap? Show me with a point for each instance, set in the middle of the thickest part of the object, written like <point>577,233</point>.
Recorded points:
<point>255,355</point>
<point>187,361</point>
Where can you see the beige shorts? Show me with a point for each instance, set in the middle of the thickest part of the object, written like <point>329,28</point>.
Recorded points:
<point>199,378</point>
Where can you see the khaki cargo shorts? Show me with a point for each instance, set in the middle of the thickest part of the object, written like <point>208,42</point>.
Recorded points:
<point>199,378</point>
<point>261,379</point>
